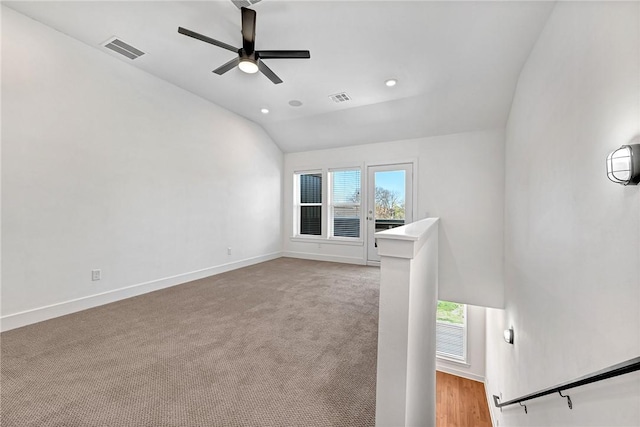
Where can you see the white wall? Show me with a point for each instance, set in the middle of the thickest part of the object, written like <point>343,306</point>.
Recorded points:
<point>106,167</point>
<point>572,246</point>
<point>459,180</point>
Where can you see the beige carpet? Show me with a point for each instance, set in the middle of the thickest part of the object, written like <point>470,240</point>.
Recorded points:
<point>283,343</point>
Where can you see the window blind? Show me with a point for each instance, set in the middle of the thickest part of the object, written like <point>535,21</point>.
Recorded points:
<point>345,197</point>
<point>450,340</point>
<point>311,204</point>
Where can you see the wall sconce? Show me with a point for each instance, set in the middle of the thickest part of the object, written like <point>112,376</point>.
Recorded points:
<point>623,165</point>
<point>508,335</point>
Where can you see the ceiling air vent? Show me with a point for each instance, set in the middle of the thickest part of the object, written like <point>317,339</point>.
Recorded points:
<point>123,48</point>
<point>340,97</point>
<point>244,3</point>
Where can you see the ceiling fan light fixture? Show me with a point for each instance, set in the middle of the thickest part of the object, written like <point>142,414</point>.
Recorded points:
<point>248,66</point>
<point>248,56</point>
<point>391,82</point>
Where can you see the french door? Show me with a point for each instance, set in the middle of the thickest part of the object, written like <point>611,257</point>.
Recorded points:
<point>389,201</point>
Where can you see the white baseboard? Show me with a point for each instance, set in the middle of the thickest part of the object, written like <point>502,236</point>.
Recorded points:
<point>459,373</point>
<point>322,257</point>
<point>23,318</point>
<point>490,403</point>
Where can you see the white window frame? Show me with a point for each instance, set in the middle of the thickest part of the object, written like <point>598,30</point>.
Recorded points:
<point>333,205</point>
<point>298,204</point>
<point>451,357</point>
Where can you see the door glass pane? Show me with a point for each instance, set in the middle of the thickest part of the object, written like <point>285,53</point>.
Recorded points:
<point>389,199</point>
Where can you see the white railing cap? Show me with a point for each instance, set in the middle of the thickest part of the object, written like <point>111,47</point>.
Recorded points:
<point>414,231</point>
<point>406,241</point>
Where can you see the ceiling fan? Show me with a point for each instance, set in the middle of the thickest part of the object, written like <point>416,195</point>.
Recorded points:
<point>249,60</point>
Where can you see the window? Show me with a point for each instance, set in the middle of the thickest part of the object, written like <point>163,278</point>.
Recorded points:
<point>451,331</point>
<point>310,204</point>
<point>345,203</point>
<point>334,216</point>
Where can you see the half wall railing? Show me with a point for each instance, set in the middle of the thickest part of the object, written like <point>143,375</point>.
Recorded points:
<point>405,385</point>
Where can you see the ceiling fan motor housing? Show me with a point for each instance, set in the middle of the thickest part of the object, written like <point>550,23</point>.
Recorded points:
<point>245,56</point>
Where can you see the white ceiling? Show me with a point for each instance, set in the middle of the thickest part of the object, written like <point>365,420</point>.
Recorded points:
<point>457,63</point>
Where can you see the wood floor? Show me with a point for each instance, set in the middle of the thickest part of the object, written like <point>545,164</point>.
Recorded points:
<point>460,402</point>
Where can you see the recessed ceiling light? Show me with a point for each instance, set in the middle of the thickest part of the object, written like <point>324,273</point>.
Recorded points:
<point>265,111</point>
<point>295,103</point>
<point>391,82</point>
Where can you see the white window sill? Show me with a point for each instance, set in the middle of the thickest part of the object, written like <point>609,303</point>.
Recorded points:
<point>460,362</point>
<point>330,241</point>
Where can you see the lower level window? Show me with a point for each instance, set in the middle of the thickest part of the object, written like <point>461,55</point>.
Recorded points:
<point>451,331</point>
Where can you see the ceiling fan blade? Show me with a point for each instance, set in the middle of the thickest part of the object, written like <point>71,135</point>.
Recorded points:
<point>248,30</point>
<point>228,66</point>
<point>284,54</point>
<point>267,72</point>
<point>207,39</point>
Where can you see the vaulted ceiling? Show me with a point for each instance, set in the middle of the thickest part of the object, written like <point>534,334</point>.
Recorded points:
<point>457,63</point>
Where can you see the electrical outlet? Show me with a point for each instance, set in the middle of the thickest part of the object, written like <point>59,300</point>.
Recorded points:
<point>229,251</point>
<point>96,275</point>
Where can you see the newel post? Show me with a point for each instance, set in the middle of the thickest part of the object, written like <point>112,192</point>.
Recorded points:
<point>405,393</point>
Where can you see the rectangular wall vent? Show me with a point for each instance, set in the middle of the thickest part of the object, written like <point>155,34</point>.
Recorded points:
<point>244,3</point>
<point>123,48</point>
<point>340,97</point>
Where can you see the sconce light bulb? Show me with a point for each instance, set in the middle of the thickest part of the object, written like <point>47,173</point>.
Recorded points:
<point>508,335</point>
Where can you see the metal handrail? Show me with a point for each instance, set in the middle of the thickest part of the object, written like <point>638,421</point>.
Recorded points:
<point>622,368</point>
